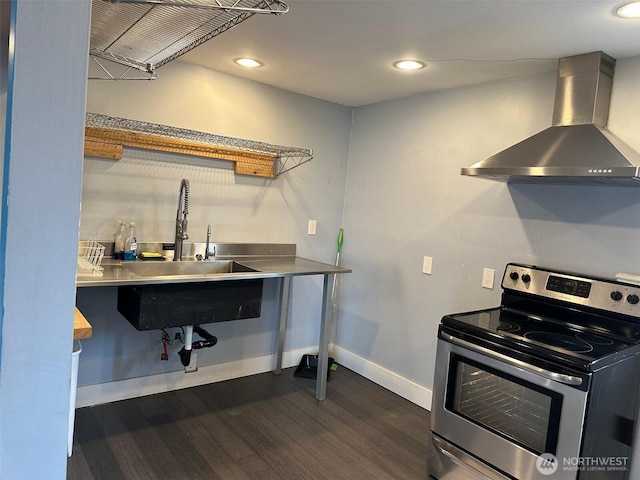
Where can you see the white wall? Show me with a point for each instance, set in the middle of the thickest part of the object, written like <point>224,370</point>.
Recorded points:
<point>144,186</point>
<point>42,171</point>
<point>405,199</point>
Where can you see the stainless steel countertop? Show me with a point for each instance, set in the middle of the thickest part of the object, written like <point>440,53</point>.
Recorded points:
<point>269,266</point>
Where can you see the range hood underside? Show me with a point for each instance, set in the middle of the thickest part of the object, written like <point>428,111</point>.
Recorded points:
<point>560,156</point>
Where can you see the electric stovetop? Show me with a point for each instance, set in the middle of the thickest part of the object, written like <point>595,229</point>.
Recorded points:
<point>579,321</point>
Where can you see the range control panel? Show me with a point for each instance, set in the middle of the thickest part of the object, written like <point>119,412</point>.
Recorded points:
<point>600,293</point>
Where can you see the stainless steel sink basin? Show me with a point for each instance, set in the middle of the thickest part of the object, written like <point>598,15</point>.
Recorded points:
<point>169,268</point>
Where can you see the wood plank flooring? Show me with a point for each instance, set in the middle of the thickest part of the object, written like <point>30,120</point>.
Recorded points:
<point>260,427</point>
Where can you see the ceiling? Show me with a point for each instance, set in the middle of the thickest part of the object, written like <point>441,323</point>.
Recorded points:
<point>342,50</point>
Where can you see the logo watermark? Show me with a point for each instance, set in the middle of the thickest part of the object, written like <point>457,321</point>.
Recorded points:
<point>548,464</point>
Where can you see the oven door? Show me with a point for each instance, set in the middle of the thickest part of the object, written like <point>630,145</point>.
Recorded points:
<point>504,413</point>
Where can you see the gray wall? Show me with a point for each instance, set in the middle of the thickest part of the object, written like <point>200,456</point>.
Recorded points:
<point>143,187</point>
<point>38,246</point>
<point>405,199</point>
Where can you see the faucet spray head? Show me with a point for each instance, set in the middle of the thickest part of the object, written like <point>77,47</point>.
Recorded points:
<point>185,183</point>
<point>181,218</point>
<point>183,200</point>
<point>183,207</point>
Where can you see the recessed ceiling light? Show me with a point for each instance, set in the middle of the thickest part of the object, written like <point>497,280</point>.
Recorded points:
<point>248,62</point>
<point>409,65</point>
<point>629,10</point>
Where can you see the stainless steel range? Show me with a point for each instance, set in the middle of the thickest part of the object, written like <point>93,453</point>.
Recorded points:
<point>545,386</point>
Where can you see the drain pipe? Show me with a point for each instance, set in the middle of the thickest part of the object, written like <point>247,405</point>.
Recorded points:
<point>190,345</point>
<point>185,353</point>
<point>209,340</point>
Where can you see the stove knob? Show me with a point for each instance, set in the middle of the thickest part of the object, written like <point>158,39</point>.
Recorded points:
<point>616,295</point>
<point>633,299</point>
<point>514,275</point>
<point>526,278</point>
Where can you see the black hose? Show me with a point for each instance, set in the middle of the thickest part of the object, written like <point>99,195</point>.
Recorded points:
<point>204,343</point>
<point>204,334</point>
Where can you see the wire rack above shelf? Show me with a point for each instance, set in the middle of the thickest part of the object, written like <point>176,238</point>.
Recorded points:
<point>105,137</point>
<point>131,38</point>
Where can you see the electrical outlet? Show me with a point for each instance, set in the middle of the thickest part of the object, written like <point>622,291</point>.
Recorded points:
<point>427,263</point>
<point>312,227</point>
<point>193,365</point>
<point>488,277</point>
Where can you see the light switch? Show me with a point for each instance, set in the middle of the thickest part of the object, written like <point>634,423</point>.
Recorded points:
<point>427,263</point>
<point>312,227</point>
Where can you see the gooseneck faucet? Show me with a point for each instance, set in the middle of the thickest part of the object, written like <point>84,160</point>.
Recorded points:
<point>181,219</point>
<point>207,253</point>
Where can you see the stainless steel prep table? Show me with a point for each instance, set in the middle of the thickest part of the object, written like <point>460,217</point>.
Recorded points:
<point>282,267</point>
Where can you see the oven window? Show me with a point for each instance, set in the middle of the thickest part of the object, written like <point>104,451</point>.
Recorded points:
<point>521,412</point>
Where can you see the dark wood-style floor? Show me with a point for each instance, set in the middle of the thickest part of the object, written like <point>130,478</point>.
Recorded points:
<point>259,427</point>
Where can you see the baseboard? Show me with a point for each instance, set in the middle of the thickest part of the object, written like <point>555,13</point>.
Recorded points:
<point>386,378</point>
<point>138,387</point>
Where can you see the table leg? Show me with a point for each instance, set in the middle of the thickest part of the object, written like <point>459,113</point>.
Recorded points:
<point>284,287</point>
<point>325,336</point>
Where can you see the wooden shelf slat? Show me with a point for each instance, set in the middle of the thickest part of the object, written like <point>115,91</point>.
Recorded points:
<point>81,327</point>
<point>258,168</point>
<point>102,150</point>
<point>108,143</point>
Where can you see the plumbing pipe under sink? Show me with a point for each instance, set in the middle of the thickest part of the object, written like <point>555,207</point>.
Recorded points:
<point>185,352</point>
<point>209,340</point>
<point>190,345</point>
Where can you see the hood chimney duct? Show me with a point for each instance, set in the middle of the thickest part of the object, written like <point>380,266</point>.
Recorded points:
<point>577,149</point>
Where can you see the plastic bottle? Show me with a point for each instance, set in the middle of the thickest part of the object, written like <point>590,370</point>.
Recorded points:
<point>118,244</point>
<point>131,243</point>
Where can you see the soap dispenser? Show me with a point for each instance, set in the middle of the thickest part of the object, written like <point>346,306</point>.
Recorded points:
<point>118,244</point>
<point>131,243</point>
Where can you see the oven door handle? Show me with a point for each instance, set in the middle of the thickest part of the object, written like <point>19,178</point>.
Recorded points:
<point>558,377</point>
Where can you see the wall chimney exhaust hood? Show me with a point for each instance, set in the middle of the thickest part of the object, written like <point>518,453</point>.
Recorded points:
<point>577,149</point>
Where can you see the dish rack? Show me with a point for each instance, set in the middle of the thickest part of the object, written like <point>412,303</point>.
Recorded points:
<point>90,255</point>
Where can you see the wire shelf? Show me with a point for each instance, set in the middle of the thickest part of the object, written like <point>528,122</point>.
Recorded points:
<point>283,158</point>
<point>146,34</point>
